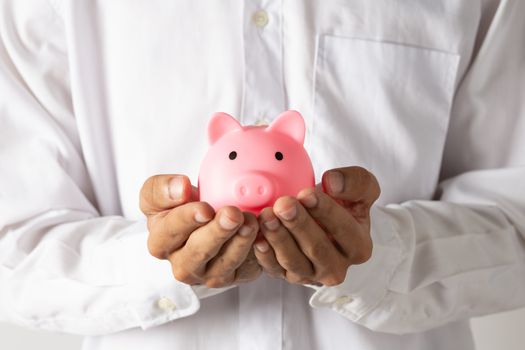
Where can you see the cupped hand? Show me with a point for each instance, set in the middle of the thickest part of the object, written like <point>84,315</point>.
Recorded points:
<point>202,246</point>
<point>314,238</point>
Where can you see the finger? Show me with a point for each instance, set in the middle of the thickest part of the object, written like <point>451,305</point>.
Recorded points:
<point>169,232</point>
<point>266,258</point>
<point>353,184</point>
<point>206,241</point>
<point>287,252</point>
<point>194,194</point>
<point>234,251</point>
<point>354,242</point>
<point>163,192</point>
<point>249,269</point>
<point>310,237</point>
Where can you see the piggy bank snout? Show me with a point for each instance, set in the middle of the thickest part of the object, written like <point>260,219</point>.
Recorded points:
<point>254,190</point>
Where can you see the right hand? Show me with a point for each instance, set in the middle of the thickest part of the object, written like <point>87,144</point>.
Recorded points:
<point>202,246</point>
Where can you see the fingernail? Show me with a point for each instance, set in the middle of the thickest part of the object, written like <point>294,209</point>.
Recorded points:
<point>201,218</point>
<point>289,214</point>
<point>175,188</point>
<point>227,223</point>
<point>262,246</point>
<point>245,231</point>
<point>309,201</point>
<point>336,181</point>
<point>272,225</point>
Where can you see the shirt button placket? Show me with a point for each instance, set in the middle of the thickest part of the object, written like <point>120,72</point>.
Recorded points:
<point>264,96</point>
<point>260,302</point>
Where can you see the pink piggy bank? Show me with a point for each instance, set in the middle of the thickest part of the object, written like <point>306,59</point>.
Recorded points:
<point>251,166</point>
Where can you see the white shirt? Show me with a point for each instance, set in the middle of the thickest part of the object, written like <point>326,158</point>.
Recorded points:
<point>96,96</point>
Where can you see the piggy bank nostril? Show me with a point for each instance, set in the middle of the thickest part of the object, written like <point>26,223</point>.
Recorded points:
<point>261,190</point>
<point>243,190</point>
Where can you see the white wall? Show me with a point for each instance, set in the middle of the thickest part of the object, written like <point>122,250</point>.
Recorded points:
<point>502,331</point>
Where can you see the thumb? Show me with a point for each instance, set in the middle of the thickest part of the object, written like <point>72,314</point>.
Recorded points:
<point>166,191</point>
<point>351,184</point>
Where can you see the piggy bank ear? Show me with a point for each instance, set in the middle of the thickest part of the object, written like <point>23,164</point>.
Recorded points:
<point>221,124</point>
<point>290,123</point>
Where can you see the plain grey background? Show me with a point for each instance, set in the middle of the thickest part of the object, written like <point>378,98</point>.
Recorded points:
<point>501,331</point>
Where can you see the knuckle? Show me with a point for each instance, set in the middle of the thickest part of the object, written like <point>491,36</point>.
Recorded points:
<point>218,282</point>
<point>294,266</point>
<point>334,279</point>
<point>201,255</point>
<point>182,275</point>
<point>319,251</point>
<point>213,283</point>
<point>295,278</point>
<point>363,254</point>
<point>156,250</point>
<point>329,282</point>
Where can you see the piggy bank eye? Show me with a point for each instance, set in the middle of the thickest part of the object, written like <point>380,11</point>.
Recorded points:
<point>279,156</point>
<point>233,155</point>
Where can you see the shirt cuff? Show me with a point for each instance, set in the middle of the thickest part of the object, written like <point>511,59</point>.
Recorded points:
<point>367,284</point>
<point>159,297</point>
<point>165,304</point>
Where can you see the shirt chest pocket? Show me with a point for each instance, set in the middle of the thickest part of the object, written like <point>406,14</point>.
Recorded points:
<point>384,106</point>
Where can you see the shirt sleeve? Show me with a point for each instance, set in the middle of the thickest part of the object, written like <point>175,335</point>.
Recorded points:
<point>463,254</point>
<point>63,266</point>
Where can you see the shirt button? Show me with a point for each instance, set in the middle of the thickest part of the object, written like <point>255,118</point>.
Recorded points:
<point>345,299</point>
<point>260,18</point>
<point>166,304</point>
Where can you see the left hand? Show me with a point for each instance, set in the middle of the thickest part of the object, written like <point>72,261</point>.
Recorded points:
<point>314,238</point>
